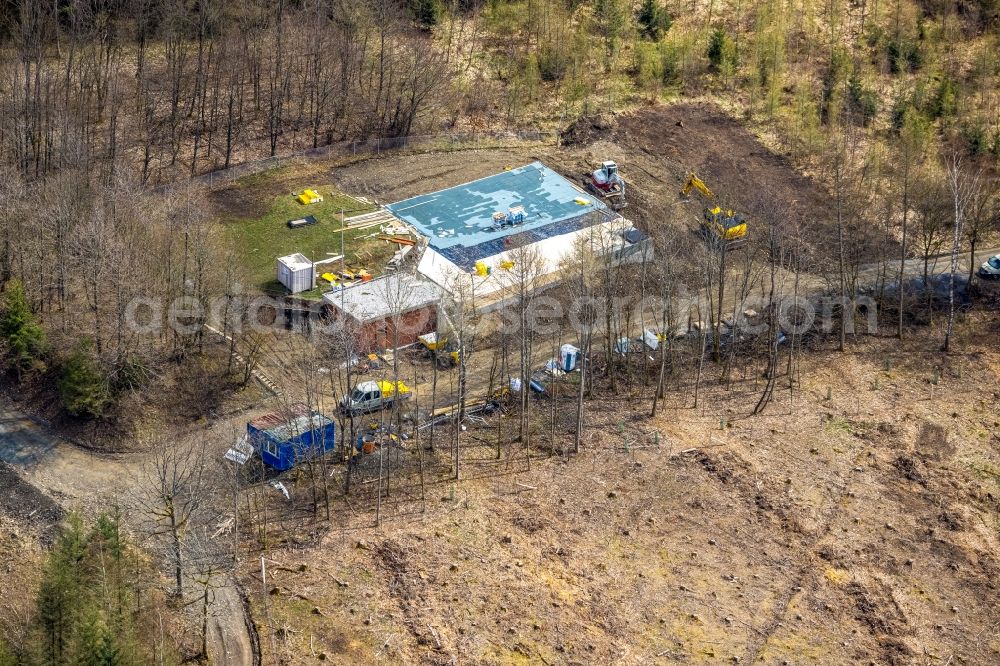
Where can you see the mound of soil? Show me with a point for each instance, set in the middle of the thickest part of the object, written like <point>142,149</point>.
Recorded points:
<point>28,505</point>
<point>587,129</point>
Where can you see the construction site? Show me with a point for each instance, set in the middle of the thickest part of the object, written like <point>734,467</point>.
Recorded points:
<point>835,491</point>
<point>437,460</point>
<point>447,225</point>
<point>499,332</point>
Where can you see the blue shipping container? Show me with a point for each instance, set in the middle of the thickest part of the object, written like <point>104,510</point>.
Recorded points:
<point>286,438</point>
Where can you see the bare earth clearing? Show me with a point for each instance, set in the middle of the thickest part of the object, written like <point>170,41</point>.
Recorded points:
<point>655,154</point>
<point>858,529</point>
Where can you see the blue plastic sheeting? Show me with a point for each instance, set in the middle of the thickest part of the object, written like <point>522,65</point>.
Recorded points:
<point>462,216</point>
<point>466,257</point>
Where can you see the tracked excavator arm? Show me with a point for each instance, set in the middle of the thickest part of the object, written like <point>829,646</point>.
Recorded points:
<point>694,182</point>
<point>725,225</point>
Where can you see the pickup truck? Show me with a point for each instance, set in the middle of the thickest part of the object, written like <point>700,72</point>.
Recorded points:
<point>374,395</point>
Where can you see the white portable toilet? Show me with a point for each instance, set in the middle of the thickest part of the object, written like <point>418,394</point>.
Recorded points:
<point>651,339</point>
<point>569,356</point>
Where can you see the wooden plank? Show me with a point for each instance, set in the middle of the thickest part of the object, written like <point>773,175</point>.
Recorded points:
<point>397,239</point>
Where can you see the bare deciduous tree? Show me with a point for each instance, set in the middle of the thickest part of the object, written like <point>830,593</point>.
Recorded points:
<point>173,489</point>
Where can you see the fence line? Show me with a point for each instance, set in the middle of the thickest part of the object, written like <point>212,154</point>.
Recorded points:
<point>369,148</point>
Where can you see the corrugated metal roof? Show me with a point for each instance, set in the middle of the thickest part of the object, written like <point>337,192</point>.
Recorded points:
<point>271,419</point>
<point>298,426</point>
<point>287,423</point>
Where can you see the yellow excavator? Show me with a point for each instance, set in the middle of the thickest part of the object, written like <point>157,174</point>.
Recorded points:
<point>724,225</point>
<point>441,350</point>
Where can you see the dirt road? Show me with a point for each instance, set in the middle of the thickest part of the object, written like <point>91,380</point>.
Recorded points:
<point>228,637</point>
<point>73,477</point>
<point>68,473</point>
<point>22,442</point>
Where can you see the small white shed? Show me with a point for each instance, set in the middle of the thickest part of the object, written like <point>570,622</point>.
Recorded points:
<point>297,273</point>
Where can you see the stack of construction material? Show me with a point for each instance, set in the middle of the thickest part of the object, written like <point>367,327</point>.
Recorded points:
<point>301,222</point>
<point>309,197</point>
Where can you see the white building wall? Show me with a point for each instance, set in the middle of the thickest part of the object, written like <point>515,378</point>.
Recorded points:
<point>552,252</point>
<point>439,270</point>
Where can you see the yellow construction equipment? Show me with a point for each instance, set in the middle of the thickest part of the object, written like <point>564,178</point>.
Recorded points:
<point>441,350</point>
<point>309,197</point>
<point>727,226</point>
<point>697,183</point>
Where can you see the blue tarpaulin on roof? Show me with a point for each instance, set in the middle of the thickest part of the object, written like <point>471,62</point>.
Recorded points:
<point>459,220</point>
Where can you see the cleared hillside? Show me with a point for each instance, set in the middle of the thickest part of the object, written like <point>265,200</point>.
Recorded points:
<point>855,529</point>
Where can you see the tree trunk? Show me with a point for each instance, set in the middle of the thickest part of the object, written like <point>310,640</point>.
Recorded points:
<point>902,256</point>
<point>178,560</point>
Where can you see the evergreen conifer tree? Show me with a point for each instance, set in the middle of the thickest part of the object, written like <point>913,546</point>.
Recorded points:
<point>60,592</point>
<point>654,21</point>
<point>82,386</point>
<point>22,335</point>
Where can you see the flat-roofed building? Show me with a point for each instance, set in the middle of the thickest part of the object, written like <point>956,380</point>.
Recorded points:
<point>390,310</point>
<point>476,231</point>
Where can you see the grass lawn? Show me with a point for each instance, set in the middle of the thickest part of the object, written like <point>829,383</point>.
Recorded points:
<point>260,239</point>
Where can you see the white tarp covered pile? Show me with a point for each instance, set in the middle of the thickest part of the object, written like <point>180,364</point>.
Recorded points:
<point>240,452</point>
